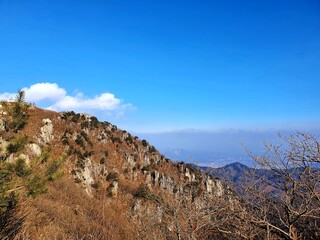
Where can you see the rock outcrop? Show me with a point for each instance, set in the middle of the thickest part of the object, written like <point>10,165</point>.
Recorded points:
<point>46,132</point>
<point>112,166</point>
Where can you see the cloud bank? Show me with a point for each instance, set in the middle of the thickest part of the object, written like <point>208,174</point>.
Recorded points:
<point>53,97</point>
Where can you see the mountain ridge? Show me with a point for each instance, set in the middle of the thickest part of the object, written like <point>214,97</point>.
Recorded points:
<point>109,166</point>
<point>68,176</point>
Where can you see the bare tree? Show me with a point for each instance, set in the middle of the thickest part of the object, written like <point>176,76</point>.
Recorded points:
<point>285,200</point>
<point>20,97</point>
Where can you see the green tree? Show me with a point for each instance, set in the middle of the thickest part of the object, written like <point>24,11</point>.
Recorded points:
<point>21,177</point>
<point>17,112</point>
<point>20,97</point>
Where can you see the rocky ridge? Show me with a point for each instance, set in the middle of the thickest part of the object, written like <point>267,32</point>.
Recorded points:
<point>106,161</point>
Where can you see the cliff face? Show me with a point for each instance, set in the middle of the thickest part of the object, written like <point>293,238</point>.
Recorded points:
<point>107,168</point>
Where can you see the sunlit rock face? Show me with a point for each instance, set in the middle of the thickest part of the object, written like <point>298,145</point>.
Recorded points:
<point>46,135</point>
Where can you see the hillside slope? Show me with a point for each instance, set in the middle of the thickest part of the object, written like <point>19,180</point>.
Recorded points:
<point>115,186</point>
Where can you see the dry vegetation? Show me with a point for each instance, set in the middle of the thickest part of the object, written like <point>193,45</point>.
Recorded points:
<point>118,187</point>
<point>67,213</point>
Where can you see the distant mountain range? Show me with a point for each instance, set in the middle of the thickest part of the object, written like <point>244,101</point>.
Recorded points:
<point>239,174</point>
<point>233,172</point>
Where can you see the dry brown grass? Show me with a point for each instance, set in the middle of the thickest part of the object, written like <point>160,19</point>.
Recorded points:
<point>68,213</point>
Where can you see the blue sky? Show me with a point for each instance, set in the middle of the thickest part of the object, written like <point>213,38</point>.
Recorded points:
<point>169,65</point>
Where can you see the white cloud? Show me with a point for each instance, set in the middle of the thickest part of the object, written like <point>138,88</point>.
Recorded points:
<point>44,91</point>
<point>7,96</point>
<point>53,97</point>
<point>104,101</point>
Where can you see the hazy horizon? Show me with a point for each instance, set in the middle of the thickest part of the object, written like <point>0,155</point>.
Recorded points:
<point>216,148</point>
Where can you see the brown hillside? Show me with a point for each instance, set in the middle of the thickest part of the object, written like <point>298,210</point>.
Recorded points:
<point>115,186</point>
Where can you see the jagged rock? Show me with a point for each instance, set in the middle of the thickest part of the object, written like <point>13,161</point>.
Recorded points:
<point>179,191</point>
<point>134,175</point>
<point>157,159</point>
<point>159,214</point>
<point>115,188</point>
<point>133,148</point>
<point>3,126</point>
<point>3,146</point>
<point>87,116</point>
<point>130,160</point>
<point>218,188</point>
<point>193,177</point>
<point>46,135</point>
<point>166,183</point>
<point>87,175</point>
<point>147,178</point>
<point>181,168</point>
<point>2,111</point>
<point>209,184</point>
<point>102,170</point>
<point>86,130</point>
<point>102,136</point>
<point>124,136</point>
<point>170,185</point>
<point>162,182</point>
<point>25,157</point>
<point>187,174</point>
<point>34,148</point>
<point>13,158</point>
<point>141,211</point>
<point>146,161</point>
<point>109,127</point>
<point>136,209</point>
<point>155,177</point>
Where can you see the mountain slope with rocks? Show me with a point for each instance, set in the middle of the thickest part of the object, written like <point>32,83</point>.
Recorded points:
<point>111,185</point>
<point>68,176</point>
